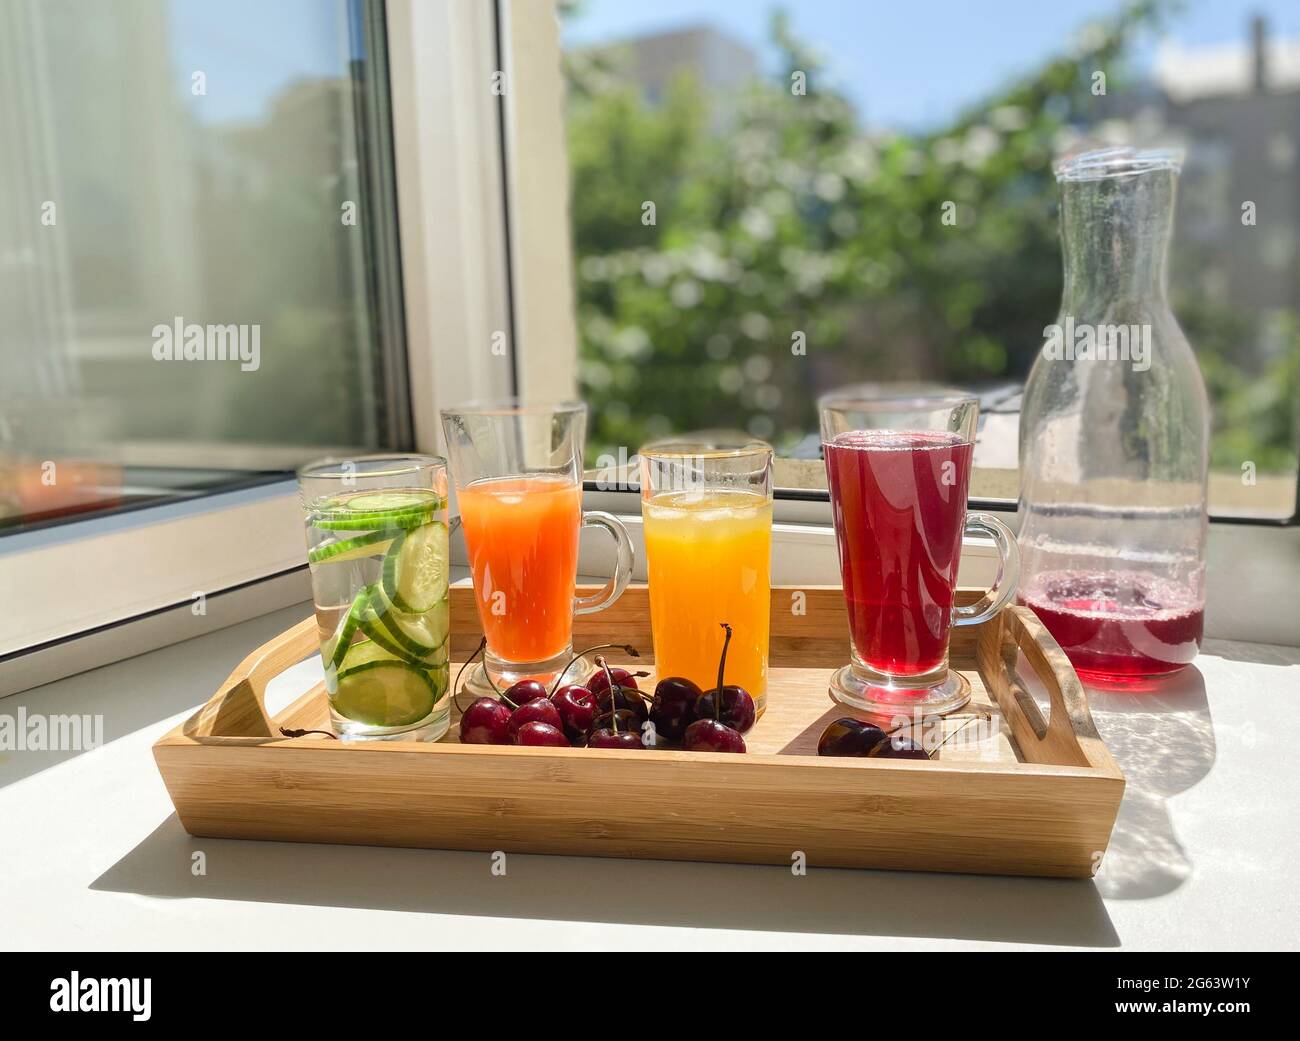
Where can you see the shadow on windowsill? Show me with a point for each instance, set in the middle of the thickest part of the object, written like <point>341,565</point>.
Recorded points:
<point>635,892</point>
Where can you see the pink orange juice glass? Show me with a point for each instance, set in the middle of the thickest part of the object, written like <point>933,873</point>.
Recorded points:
<point>518,474</point>
<point>898,465</point>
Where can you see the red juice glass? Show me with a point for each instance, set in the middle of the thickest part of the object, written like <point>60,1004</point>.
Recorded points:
<point>898,463</point>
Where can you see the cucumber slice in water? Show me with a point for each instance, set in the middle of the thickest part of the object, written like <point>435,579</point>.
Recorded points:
<point>365,652</point>
<point>422,637</point>
<point>386,694</point>
<point>366,510</point>
<point>352,549</point>
<point>415,568</point>
<point>372,624</point>
<point>385,502</point>
<point>334,651</point>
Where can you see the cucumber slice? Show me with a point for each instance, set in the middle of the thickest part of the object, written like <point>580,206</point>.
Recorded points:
<point>415,568</point>
<point>371,623</point>
<point>362,511</point>
<point>334,651</point>
<point>352,549</point>
<point>386,502</point>
<point>386,694</point>
<point>422,637</point>
<point>369,521</point>
<point>365,652</point>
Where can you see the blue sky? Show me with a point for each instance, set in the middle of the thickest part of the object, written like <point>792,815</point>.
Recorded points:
<point>906,63</point>
<point>909,64</point>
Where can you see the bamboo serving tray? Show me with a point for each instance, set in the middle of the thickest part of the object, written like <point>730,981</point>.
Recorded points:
<point>1019,794</point>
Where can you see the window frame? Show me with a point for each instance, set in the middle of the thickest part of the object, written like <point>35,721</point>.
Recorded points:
<point>438,168</point>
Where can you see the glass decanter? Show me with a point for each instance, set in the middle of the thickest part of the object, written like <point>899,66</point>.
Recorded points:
<point>1114,435</point>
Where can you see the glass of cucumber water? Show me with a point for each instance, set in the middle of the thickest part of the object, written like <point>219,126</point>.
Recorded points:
<point>377,548</point>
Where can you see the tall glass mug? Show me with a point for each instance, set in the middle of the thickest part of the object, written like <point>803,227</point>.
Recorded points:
<point>706,504</point>
<point>518,474</point>
<point>898,465</point>
<point>377,549</point>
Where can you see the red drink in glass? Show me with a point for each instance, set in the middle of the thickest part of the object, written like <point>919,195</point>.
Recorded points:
<point>899,501</point>
<point>898,463</point>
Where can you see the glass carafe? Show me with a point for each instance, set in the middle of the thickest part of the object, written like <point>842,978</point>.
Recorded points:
<point>1114,433</point>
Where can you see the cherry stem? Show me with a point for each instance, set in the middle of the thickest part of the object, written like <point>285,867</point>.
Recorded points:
<point>455,687</point>
<point>613,695</point>
<point>626,648</point>
<point>722,665</point>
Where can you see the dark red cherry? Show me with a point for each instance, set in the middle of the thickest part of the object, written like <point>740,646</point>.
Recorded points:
<point>627,721</point>
<point>674,707</point>
<point>526,690</point>
<point>708,735</point>
<point>606,738</point>
<point>598,681</point>
<point>578,710</point>
<point>539,710</point>
<point>485,722</point>
<point>727,703</point>
<point>541,734</point>
<point>850,737</point>
<point>737,709</point>
<point>898,747</point>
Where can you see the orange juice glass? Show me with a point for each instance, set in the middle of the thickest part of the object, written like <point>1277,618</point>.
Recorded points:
<point>706,505</point>
<point>518,475</point>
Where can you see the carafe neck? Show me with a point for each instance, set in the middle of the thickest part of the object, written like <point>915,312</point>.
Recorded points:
<point>1115,235</point>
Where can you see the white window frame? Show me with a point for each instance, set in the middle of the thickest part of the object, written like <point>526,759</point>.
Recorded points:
<point>89,592</point>
<point>461,275</point>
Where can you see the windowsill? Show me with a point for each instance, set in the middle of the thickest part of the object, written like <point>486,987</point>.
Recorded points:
<point>1207,761</point>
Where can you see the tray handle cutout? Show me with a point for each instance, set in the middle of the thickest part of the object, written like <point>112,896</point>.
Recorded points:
<point>1069,736</point>
<point>237,714</point>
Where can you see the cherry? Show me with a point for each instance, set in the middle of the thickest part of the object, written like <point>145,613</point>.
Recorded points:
<point>578,710</point>
<point>538,710</point>
<point>485,722</point>
<point>617,729</point>
<point>599,682</point>
<point>541,734</point>
<point>728,703</point>
<point>708,735</point>
<point>624,720</point>
<point>674,707</point>
<point>524,691</point>
<point>898,748</point>
<point>606,738</point>
<point>850,737</point>
<point>615,695</point>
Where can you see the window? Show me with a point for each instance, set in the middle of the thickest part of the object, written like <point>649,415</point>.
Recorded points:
<point>195,296</point>
<point>758,199</point>
<point>235,168</point>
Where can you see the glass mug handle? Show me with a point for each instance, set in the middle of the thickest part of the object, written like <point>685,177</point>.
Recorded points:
<point>622,566</point>
<point>1004,584</point>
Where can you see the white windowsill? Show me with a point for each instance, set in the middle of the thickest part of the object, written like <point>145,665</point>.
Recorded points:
<point>115,872</point>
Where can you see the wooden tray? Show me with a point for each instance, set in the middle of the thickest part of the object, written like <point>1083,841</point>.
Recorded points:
<point>1029,797</point>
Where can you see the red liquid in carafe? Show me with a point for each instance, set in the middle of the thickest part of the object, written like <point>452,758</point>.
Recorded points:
<point>1119,626</point>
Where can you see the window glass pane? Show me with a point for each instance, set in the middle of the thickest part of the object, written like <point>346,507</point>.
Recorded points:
<point>760,199</point>
<point>188,294</point>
